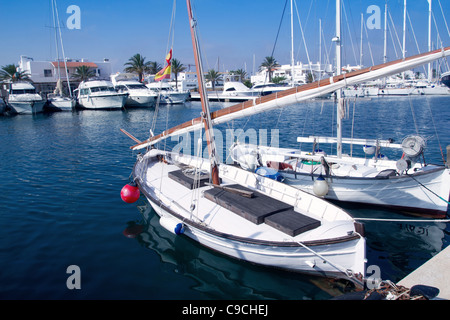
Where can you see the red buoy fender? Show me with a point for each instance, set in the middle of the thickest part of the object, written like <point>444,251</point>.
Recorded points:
<point>130,193</point>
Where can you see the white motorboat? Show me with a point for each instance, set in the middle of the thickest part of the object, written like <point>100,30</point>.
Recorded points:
<point>426,88</point>
<point>232,91</point>
<point>23,99</point>
<point>167,94</point>
<point>268,88</point>
<point>242,214</point>
<point>138,94</point>
<point>100,94</point>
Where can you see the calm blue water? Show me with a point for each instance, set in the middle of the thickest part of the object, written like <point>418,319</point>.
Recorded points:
<point>60,205</point>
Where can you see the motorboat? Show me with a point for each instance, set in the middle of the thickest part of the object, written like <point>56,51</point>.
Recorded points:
<point>138,94</point>
<point>232,91</point>
<point>99,94</point>
<point>167,94</point>
<point>23,98</point>
<point>268,88</point>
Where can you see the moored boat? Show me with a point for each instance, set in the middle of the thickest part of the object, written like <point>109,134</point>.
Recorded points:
<point>23,98</point>
<point>99,94</point>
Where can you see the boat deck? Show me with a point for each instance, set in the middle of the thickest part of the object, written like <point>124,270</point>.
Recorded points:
<point>260,217</point>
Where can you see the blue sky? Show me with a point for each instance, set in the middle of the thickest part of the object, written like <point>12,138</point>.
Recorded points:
<point>233,34</point>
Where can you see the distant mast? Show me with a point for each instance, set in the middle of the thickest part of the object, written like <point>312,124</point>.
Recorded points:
<point>430,75</point>
<point>340,101</point>
<point>206,115</point>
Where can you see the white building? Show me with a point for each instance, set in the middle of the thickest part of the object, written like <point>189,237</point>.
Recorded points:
<point>318,70</point>
<point>45,74</point>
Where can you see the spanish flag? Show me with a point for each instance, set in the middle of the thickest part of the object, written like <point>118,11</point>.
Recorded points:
<point>165,73</point>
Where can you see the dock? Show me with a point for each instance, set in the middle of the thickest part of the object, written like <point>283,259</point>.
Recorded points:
<point>432,273</point>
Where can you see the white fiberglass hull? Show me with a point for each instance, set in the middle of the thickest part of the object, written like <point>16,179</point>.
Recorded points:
<point>140,101</point>
<point>62,104</point>
<point>423,191</point>
<point>174,97</point>
<point>27,107</point>
<point>414,194</point>
<point>103,101</point>
<point>215,227</point>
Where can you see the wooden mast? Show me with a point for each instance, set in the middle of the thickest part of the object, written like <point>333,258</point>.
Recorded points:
<point>206,115</point>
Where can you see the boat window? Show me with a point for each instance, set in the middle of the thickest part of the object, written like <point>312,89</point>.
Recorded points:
<point>121,88</point>
<point>23,91</point>
<point>102,89</point>
<point>231,89</point>
<point>136,86</point>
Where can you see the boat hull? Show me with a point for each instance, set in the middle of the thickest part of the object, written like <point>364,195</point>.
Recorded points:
<point>140,101</point>
<point>27,107</point>
<point>423,191</point>
<point>346,249</point>
<point>417,194</point>
<point>103,101</point>
<point>174,98</point>
<point>62,104</point>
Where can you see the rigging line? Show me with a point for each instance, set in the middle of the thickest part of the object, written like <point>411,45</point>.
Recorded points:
<point>349,33</point>
<point>368,43</point>
<point>279,27</point>
<point>347,272</point>
<point>436,132</point>
<point>304,41</point>
<point>415,39</point>
<point>421,184</point>
<point>445,20</point>
<point>395,31</point>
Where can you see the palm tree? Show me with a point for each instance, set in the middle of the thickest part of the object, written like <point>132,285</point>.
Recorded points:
<point>270,64</point>
<point>137,64</point>
<point>9,73</point>
<point>241,73</point>
<point>153,67</point>
<point>213,76</point>
<point>177,67</point>
<point>83,73</point>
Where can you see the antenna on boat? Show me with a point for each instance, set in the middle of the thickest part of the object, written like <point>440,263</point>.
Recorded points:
<point>206,116</point>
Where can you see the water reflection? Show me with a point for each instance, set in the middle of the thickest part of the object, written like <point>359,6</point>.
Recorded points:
<point>399,247</point>
<point>220,277</point>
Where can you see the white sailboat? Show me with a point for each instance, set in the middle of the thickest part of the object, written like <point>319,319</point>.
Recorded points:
<point>421,188</point>
<point>58,100</point>
<point>243,215</point>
